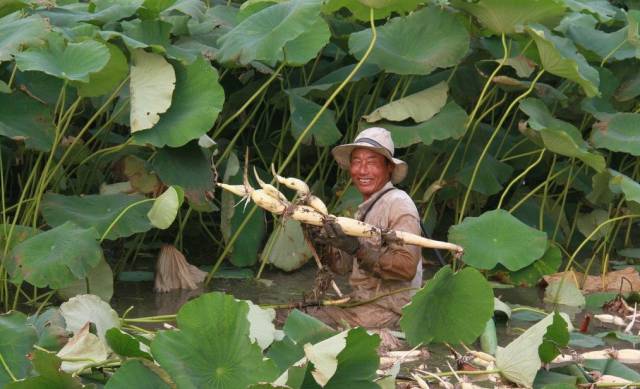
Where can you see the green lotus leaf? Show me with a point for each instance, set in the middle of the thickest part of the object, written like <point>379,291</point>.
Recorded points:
<point>49,374</point>
<point>165,208</point>
<point>529,276</point>
<point>588,222</point>
<point>564,292</point>
<point>336,77</point>
<point>324,132</point>
<point>194,109</point>
<point>511,16</point>
<point>188,168</point>
<point>610,45</point>
<point>137,374</point>
<point>519,361</point>
<point>620,183</point>
<point>451,307</point>
<point>99,281</point>
<point>604,10</point>
<point>51,329</point>
<point>45,88</point>
<point>20,234</point>
<point>25,119</point>
<point>56,257</point>
<point>213,345</point>
<point>427,39</point>
<point>16,341</point>
<point>106,80</point>
<point>289,251</point>
<point>491,175</point>
<point>151,86</point>
<point>98,212</point>
<point>449,123</point>
<point>555,339</point>
<point>79,310</point>
<point>382,9</point>
<point>17,33</point>
<point>10,6</point>
<point>498,237</point>
<point>106,11</point>
<point>600,193</point>
<point>560,57</point>
<point>618,133</point>
<point>420,106</point>
<point>263,35</point>
<point>69,61</point>
<point>126,345</point>
<point>307,45</point>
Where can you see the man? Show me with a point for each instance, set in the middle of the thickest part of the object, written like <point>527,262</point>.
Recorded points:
<point>382,264</point>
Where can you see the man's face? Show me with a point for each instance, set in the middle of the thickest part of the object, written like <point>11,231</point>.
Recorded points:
<point>369,170</point>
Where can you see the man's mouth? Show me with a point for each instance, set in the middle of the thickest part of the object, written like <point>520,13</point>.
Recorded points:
<point>365,181</point>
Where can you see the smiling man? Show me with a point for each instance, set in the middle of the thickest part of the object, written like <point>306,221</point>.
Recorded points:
<point>381,264</point>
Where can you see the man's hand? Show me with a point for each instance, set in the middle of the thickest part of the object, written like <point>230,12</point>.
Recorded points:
<point>331,234</point>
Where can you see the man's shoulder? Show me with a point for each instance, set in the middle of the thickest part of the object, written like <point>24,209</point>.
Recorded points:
<point>400,199</point>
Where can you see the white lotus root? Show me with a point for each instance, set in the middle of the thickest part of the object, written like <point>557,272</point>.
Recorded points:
<point>313,211</point>
<point>174,272</point>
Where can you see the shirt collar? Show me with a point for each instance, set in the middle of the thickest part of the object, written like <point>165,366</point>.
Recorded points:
<point>365,205</point>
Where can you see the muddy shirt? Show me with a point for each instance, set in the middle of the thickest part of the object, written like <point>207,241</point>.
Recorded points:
<point>395,267</point>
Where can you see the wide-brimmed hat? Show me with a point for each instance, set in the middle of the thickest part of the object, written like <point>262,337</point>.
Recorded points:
<point>377,139</point>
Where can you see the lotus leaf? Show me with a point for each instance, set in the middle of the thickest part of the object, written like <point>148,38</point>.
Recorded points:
<point>307,45</point>
<point>194,8</point>
<point>324,132</point>
<point>564,292</point>
<point>436,312</point>
<point>106,11</point>
<point>106,80</point>
<point>612,367</point>
<point>600,193</point>
<point>261,328</point>
<point>25,119</point>
<point>56,257</point>
<point>602,9</point>
<point>227,360</point>
<point>152,83</point>
<point>82,350</point>
<point>45,88</point>
<point>98,212</point>
<point>49,375</point>
<point>69,61</point>
<point>621,183</point>
<point>165,208</point>
<point>126,345</point>
<point>194,109</point>
<point>420,106</point>
<point>588,222</point>
<point>498,237</point>
<point>289,251</point>
<point>511,16</point>
<point>17,33</point>
<point>530,275</point>
<point>519,361</point>
<point>85,308</point>
<point>560,57</point>
<point>382,9</point>
<point>263,35</point>
<point>610,45</point>
<point>16,341</point>
<point>19,235</point>
<point>99,281</point>
<point>151,33</point>
<point>188,168</point>
<point>140,179</point>
<point>619,133</point>
<point>562,143</point>
<point>556,337</point>
<point>448,123</point>
<point>578,339</point>
<point>417,44</point>
<point>323,356</point>
<point>51,329</point>
<point>336,77</point>
<point>490,175</point>
<point>137,374</point>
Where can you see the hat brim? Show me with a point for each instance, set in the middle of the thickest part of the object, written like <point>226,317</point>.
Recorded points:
<point>342,155</point>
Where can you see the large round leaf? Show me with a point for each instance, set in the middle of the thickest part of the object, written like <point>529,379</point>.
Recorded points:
<point>212,348</point>
<point>420,106</point>
<point>510,16</point>
<point>152,83</point>
<point>99,281</point>
<point>530,275</point>
<point>619,133</point>
<point>324,132</point>
<point>263,35</point>
<point>620,183</point>
<point>382,9</point>
<point>16,341</point>
<point>98,212</point>
<point>79,310</point>
<point>197,101</point>
<point>56,257</point>
<point>448,123</point>
<point>105,11</point>
<point>16,33</point>
<point>25,119</point>
<point>498,237</point>
<point>136,374</point>
<point>72,61</point>
<point>49,374</point>
<point>165,208</point>
<point>107,79</point>
<point>417,44</point>
<point>307,45</point>
<point>560,57</point>
<point>451,307</point>
<point>289,251</point>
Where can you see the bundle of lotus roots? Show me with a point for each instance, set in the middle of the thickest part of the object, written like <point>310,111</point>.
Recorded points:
<point>311,210</point>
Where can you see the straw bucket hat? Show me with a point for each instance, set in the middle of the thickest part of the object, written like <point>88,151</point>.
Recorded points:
<point>377,139</point>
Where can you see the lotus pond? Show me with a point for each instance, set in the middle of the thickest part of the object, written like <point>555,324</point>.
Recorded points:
<point>519,121</point>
